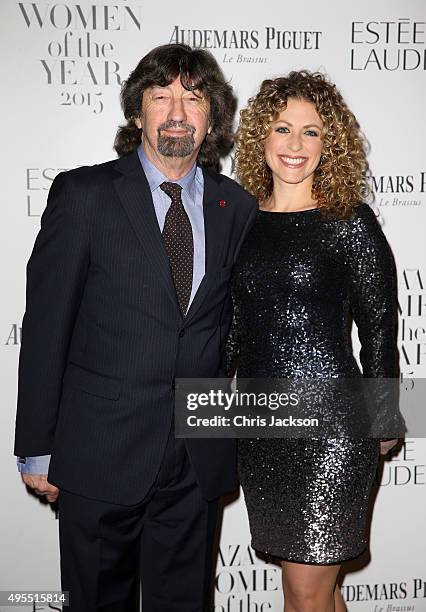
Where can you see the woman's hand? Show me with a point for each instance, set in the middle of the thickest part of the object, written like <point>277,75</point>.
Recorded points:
<point>386,445</point>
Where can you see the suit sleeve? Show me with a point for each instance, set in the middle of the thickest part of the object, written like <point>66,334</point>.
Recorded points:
<point>56,275</point>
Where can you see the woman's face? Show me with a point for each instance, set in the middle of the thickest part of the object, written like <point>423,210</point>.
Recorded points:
<point>293,147</point>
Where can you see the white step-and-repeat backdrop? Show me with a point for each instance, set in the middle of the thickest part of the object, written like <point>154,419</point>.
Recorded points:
<point>63,63</point>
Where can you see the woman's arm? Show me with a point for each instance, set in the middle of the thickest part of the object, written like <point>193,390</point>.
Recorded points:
<point>373,302</point>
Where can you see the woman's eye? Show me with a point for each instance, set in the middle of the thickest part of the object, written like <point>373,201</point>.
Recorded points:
<point>311,133</point>
<point>282,130</point>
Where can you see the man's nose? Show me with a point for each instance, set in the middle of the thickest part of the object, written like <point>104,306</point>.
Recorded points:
<point>177,110</point>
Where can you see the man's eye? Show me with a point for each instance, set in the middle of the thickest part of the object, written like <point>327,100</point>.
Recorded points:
<point>160,95</point>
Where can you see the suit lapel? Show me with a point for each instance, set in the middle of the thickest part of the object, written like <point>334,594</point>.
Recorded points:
<point>135,196</point>
<point>217,224</point>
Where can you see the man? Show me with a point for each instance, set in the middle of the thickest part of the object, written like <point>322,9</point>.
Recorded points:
<point>128,289</point>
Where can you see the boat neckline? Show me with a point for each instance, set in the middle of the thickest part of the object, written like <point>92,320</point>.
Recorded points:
<point>288,212</point>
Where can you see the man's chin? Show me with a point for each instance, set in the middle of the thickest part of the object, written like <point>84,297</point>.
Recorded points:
<point>175,154</point>
<point>175,146</point>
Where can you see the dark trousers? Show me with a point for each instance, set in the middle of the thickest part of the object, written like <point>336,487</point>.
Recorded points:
<point>166,541</point>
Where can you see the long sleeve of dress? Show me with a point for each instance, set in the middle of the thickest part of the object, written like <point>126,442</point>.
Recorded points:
<point>372,294</point>
<point>232,350</point>
<point>373,302</point>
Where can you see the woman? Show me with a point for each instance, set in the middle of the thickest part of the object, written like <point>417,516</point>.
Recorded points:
<point>314,255</point>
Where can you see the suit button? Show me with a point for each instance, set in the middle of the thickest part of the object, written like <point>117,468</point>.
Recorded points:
<point>181,333</point>
<point>173,385</point>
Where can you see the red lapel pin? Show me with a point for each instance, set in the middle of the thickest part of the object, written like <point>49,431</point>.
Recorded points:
<point>222,203</point>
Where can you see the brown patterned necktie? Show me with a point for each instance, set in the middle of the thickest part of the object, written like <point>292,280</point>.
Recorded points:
<point>177,235</point>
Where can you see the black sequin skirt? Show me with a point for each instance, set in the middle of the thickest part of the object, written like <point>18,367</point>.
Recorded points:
<point>307,499</point>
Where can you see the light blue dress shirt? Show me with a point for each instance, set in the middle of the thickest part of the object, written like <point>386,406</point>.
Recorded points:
<point>192,199</point>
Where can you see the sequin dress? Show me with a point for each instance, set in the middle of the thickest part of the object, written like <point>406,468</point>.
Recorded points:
<point>299,278</point>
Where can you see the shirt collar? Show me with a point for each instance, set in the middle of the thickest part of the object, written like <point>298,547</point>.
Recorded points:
<point>155,177</point>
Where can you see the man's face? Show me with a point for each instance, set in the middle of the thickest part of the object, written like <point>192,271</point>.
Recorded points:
<point>174,121</point>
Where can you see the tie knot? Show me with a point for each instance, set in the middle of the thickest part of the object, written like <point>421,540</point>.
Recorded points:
<point>173,190</point>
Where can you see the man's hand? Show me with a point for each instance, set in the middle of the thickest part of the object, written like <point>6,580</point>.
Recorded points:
<point>39,484</point>
<point>386,445</point>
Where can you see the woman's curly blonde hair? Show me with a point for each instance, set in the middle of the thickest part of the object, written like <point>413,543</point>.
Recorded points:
<point>340,180</point>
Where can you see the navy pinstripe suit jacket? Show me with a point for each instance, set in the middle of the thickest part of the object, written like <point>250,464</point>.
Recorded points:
<point>103,338</point>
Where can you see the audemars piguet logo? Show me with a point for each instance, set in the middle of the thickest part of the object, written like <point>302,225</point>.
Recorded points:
<point>388,595</point>
<point>401,190</point>
<point>269,38</point>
